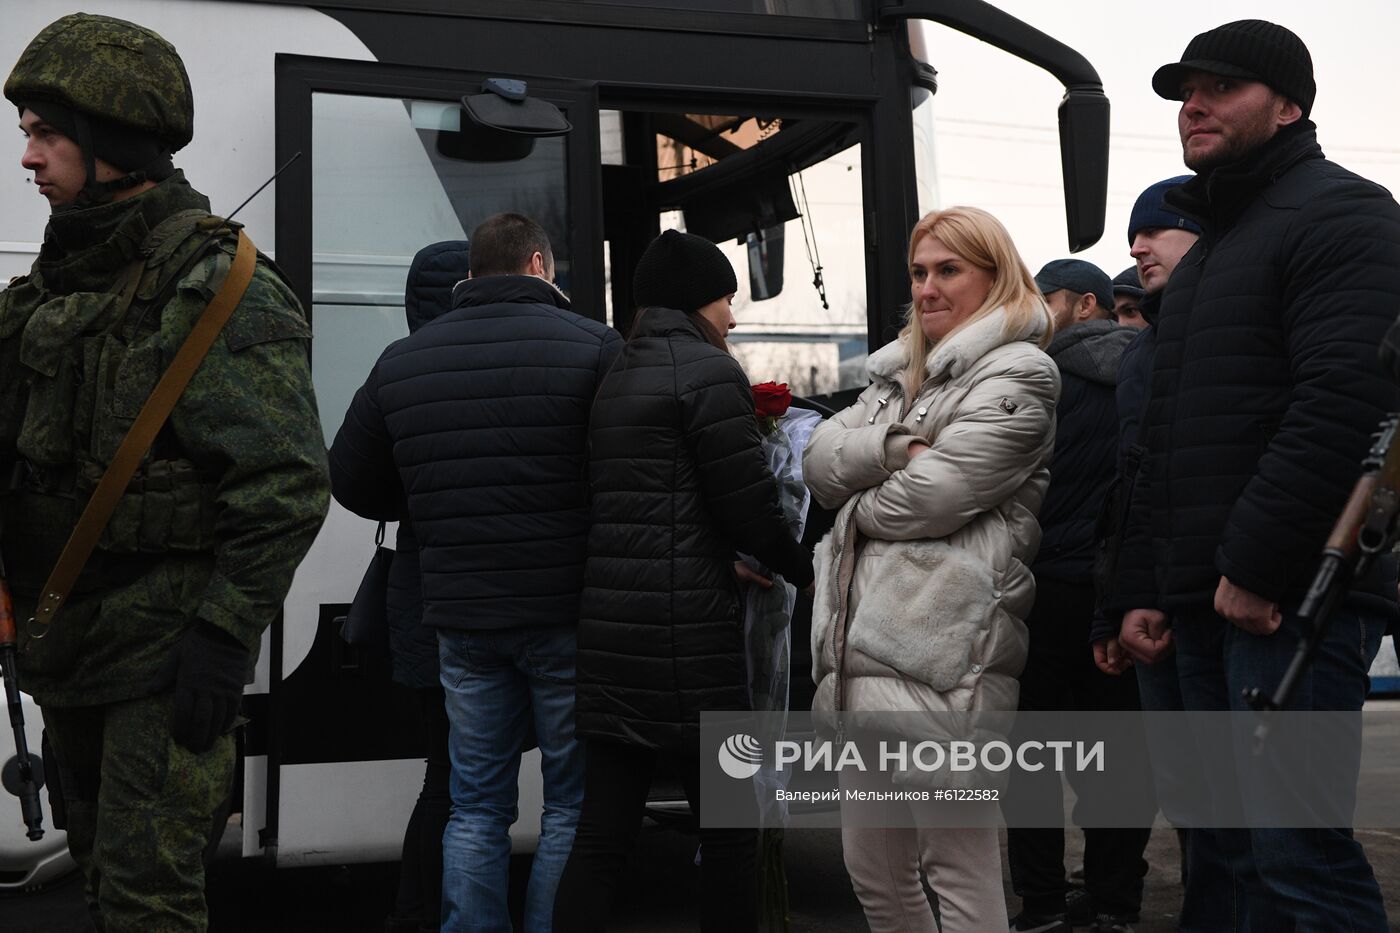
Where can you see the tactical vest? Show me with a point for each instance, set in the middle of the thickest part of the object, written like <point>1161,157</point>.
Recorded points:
<point>88,362</point>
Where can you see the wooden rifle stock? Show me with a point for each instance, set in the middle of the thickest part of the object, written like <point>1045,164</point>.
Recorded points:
<point>1343,537</point>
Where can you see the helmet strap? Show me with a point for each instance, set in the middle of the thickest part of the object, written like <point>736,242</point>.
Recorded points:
<point>92,192</point>
<point>96,192</point>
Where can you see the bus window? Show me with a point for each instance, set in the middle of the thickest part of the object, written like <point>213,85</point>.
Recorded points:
<point>380,192</point>
<point>692,142</point>
<point>925,166</point>
<point>610,138</point>
<point>791,337</point>
<point>789,189</point>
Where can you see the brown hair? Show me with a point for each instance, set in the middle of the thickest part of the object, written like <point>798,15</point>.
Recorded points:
<point>504,243</point>
<point>980,238</point>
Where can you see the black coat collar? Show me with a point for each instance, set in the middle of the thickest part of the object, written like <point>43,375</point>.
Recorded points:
<point>665,322</point>
<point>1217,198</point>
<point>507,289</point>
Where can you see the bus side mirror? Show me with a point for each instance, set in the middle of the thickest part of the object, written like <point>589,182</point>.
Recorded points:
<point>765,250</point>
<point>501,124</point>
<point>480,144</point>
<point>1084,163</point>
<point>1083,111</point>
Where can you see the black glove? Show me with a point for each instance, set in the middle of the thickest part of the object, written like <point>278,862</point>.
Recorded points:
<point>207,668</point>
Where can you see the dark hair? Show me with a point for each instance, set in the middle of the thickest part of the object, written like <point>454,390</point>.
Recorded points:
<point>504,243</point>
<point>708,329</point>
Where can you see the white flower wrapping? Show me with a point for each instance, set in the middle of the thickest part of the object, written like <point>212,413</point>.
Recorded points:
<point>768,612</point>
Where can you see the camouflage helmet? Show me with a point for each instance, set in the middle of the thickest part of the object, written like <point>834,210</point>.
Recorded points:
<point>110,69</point>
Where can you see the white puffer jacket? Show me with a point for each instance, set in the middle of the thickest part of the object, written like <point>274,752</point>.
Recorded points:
<point>923,583</point>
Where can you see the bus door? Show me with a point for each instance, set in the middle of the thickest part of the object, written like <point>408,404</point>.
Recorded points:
<point>390,163</point>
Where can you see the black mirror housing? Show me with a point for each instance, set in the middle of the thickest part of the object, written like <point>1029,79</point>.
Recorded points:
<point>501,124</point>
<point>1084,164</point>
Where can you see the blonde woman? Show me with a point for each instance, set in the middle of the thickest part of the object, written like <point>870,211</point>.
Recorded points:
<point>938,470</point>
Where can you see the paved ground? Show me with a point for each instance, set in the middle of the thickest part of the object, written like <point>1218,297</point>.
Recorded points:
<point>660,895</point>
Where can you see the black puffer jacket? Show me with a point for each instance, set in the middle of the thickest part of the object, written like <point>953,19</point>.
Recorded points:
<point>679,484</point>
<point>1086,435</point>
<point>1390,351</point>
<point>1111,577</point>
<point>1265,384</point>
<point>413,646</point>
<point>481,417</point>
<point>1135,378</point>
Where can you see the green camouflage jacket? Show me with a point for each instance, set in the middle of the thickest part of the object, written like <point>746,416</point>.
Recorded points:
<point>229,498</point>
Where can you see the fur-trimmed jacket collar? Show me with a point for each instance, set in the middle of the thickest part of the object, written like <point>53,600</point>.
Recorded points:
<point>955,354</point>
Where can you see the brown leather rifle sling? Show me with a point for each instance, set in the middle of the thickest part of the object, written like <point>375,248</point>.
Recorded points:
<point>138,440</point>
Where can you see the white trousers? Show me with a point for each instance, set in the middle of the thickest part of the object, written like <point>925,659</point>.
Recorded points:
<point>963,866</point>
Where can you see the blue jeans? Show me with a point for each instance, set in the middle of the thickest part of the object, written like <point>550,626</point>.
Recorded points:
<point>1209,900</point>
<point>498,683</point>
<point>1313,880</point>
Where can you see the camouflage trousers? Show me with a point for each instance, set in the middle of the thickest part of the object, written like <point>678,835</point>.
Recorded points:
<point>141,811</point>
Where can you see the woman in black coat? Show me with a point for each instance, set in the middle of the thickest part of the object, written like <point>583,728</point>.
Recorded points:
<point>679,484</point>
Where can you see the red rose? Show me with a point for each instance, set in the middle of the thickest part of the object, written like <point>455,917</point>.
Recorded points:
<point>771,399</point>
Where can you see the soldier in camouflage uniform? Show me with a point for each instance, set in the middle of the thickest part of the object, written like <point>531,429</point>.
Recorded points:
<point>141,674</point>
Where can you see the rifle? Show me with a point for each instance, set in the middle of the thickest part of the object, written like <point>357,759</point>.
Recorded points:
<point>1365,530</point>
<point>24,775</point>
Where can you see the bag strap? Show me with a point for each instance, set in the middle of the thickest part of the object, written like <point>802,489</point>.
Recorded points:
<point>139,438</point>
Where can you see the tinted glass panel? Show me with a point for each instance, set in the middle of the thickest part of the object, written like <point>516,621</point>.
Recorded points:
<point>691,142</point>
<point>380,192</point>
<point>791,337</point>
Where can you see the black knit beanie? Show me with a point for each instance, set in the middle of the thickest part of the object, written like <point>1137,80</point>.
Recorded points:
<point>1252,49</point>
<point>683,272</point>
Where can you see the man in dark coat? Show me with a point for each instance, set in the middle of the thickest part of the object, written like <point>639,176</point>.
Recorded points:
<point>1060,673</point>
<point>480,418</point>
<point>1127,298</point>
<point>1158,238</point>
<point>1265,389</point>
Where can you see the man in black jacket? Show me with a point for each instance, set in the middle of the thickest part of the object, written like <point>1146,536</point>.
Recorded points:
<point>481,418</point>
<point>1265,388</point>
<point>1060,672</point>
<point>1158,238</point>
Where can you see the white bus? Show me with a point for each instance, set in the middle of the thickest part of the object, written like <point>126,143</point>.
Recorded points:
<point>797,132</point>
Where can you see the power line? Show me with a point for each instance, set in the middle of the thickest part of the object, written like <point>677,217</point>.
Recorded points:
<point>1150,137</point>
<point>1028,184</point>
<point>1002,181</point>
<point>1048,142</point>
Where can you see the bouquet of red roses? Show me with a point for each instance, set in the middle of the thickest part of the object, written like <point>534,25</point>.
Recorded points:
<point>771,401</point>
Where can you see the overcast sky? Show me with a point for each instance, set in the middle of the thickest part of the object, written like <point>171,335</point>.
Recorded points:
<point>996,140</point>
